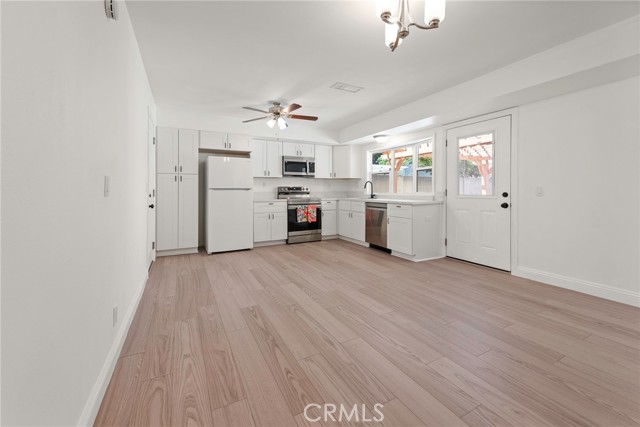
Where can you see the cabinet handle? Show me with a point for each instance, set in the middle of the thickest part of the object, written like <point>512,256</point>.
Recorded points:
<point>265,173</point>
<point>180,178</point>
<point>180,168</point>
<point>399,206</point>
<point>268,173</point>
<point>175,169</point>
<point>387,220</point>
<point>270,203</point>
<point>175,178</point>
<point>229,145</point>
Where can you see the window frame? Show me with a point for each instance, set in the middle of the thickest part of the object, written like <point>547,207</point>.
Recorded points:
<point>415,145</point>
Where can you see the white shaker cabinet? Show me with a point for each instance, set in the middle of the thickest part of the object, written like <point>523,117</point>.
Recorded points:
<point>400,234</point>
<point>351,220</point>
<point>269,221</point>
<point>177,190</point>
<point>294,149</point>
<point>324,161</point>
<point>347,161</point>
<point>329,218</point>
<point>223,141</point>
<point>414,232</point>
<point>266,158</point>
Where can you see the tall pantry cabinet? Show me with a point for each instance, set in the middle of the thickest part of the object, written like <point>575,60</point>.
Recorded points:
<point>177,183</point>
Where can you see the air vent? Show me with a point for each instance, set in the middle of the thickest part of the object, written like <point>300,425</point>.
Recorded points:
<point>346,87</point>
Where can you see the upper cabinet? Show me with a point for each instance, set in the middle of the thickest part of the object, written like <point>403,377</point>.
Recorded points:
<point>177,151</point>
<point>346,161</point>
<point>294,149</point>
<point>224,141</point>
<point>266,158</point>
<point>324,161</point>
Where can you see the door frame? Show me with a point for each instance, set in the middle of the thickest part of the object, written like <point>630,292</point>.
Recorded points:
<point>515,196</point>
<point>152,184</point>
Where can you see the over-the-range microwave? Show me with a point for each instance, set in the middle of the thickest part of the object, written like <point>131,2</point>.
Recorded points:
<point>298,166</point>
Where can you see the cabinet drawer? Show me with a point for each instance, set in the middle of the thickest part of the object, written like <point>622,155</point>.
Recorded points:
<point>344,205</point>
<point>357,206</point>
<point>400,211</point>
<point>329,205</point>
<point>269,207</point>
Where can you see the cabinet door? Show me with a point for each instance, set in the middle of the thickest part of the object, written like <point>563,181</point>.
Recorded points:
<point>188,143</point>
<point>329,223</point>
<point>167,150</point>
<point>324,161</point>
<point>306,150</point>
<point>213,140</point>
<point>358,225</point>
<point>188,211</point>
<point>341,161</point>
<point>167,211</point>
<point>237,142</point>
<point>258,158</point>
<point>261,227</point>
<point>344,223</point>
<point>400,235</point>
<point>274,159</point>
<point>279,226</point>
<point>290,149</point>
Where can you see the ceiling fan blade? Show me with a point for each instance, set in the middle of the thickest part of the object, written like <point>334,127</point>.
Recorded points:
<point>255,109</point>
<point>253,120</point>
<point>291,107</point>
<point>296,116</point>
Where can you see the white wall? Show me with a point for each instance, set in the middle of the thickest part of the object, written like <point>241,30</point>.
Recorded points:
<point>584,149</point>
<point>74,109</point>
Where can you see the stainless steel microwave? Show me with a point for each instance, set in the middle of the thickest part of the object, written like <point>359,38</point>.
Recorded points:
<point>298,166</point>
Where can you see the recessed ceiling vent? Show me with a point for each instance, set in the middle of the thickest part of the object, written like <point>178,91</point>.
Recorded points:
<point>346,87</point>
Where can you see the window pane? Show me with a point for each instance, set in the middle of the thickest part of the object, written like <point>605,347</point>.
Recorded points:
<point>425,181</point>
<point>380,169</point>
<point>475,165</point>
<point>403,170</point>
<point>425,163</point>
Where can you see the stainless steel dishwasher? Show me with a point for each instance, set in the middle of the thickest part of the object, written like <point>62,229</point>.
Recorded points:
<point>376,224</point>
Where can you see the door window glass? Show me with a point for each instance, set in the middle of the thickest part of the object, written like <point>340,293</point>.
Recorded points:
<point>475,165</point>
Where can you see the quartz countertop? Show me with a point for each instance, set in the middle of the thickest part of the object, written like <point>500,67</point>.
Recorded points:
<point>413,202</point>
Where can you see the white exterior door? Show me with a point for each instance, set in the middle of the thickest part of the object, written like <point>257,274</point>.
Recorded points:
<point>479,193</point>
<point>151,191</point>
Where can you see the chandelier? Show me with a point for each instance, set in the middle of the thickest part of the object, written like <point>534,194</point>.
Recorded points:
<point>397,19</point>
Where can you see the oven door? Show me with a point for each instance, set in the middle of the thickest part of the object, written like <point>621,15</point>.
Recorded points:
<point>299,222</point>
<point>295,166</point>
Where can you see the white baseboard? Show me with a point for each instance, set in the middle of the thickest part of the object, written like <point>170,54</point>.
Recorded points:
<point>269,243</point>
<point>413,257</point>
<point>357,242</point>
<point>90,411</point>
<point>172,252</point>
<point>590,288</point>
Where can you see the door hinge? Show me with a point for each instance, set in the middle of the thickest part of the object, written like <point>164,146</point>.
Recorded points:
<point>445,192</point>
<point>153,245</point>
<point>446,142</point>
<point>154,140</point>
<point>445,241</point>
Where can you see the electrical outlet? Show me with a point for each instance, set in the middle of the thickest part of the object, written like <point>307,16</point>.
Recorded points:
<point>107,184</point>
<point>115,316</point>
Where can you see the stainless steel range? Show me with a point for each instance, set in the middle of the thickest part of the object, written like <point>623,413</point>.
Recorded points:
<point>304,214</point>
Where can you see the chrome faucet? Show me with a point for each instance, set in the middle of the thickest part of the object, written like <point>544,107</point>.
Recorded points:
<point>371,196</point>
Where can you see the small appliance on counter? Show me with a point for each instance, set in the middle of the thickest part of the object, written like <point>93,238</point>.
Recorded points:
<point>304,214</point>
<point>229,208</point>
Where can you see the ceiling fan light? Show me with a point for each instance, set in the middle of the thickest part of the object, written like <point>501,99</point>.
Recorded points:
<point>282,124</point>
<point>434,10</point>
<point>271,123</point>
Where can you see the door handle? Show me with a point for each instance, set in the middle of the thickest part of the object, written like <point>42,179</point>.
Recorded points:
<point>504,205</point>
<point>505,194</point>
<point>152,206</point>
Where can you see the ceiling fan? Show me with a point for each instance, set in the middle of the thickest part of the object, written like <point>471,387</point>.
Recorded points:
<point>278,114</point>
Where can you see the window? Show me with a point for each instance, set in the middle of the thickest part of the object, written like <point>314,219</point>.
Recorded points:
<point>475,165</point>
<point>403,170</point>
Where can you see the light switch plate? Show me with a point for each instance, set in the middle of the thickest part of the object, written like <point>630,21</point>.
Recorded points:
<point>107,184</point>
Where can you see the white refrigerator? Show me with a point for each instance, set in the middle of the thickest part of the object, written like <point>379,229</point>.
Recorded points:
<point>229,208</point>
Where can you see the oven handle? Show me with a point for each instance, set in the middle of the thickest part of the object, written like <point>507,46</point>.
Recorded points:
<point>290,206</point>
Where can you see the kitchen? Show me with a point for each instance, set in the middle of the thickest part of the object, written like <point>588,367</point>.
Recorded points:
<point>278,181</point>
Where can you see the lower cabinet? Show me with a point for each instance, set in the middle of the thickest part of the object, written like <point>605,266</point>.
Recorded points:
<point>400,235</point>
<point>329,218</point>
<point>414,232</point>
<point>269,221</point>
<point>177,214</point>
<point>351,220</point>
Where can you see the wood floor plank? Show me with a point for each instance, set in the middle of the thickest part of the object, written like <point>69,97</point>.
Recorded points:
<point>426,407</point>
<point>229,310</point>
<point>153,403</point>
<point>396,414</point>
<point>118,402</point>
<point>190,399</point>
<point>157,357</point>
<point>294,384</point>
<point>237,414</point>
<point>483,417</point>
<point>268,406</point>
<point>223,379</point>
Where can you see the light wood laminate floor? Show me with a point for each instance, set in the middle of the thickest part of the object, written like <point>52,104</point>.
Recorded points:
<point>250,338</point>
